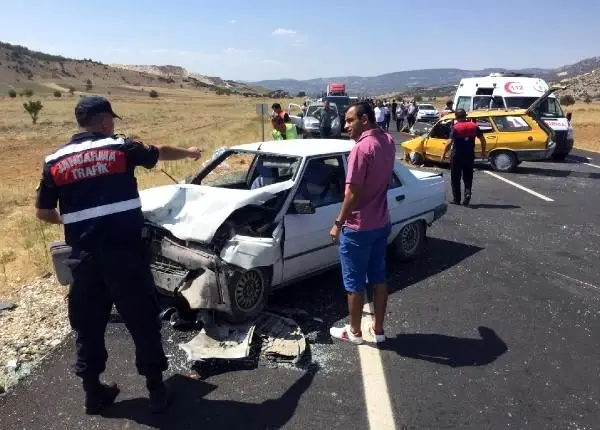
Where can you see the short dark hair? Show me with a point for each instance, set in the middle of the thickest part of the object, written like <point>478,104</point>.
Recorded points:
<point>460,114</point>
<point>364,108</point>
<point>275,106</point>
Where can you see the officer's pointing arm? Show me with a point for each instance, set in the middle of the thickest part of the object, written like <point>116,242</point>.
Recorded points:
<point>170,153</point>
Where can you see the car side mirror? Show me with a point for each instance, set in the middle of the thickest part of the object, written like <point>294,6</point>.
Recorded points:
<point>302,207</point>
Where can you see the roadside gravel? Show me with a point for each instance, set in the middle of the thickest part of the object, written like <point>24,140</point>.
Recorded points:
<point>32,329</point>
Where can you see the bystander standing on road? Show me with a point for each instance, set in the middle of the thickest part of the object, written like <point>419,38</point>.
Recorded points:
<point>387,115</point>
<point>448,109</point>
<point>91,179</point>
<point>462,158</point>
<point>412,113</point>
<point>400,115</point>
<point>325,115</point>
<point>363,224</point>
<point>380,115</point>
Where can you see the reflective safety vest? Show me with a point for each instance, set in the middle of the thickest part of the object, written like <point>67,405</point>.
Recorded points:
<point>290,133</point>
<point>91,180</point>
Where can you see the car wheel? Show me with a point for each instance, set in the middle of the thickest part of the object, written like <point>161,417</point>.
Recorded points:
<point>410,241</point>
<point>248,295</point>
<point>504,161</point>
<point>416,158</point>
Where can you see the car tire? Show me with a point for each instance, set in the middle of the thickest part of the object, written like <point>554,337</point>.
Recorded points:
<point>504,161</point>
<point>249,295</point>
<point>410,241</point>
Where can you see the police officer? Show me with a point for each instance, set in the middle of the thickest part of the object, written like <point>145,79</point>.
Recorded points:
<point>462,157</point>
<point>91,179</point>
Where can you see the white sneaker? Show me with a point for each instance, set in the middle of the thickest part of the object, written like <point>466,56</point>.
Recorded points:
<point>378,337</point>
<point>344,333</point>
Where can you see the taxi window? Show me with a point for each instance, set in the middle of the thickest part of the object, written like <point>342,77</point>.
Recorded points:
<point>484,124</point>
<point>511,123</point>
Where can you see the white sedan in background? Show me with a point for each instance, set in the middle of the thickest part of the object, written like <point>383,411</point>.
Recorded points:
<point>427,113</point>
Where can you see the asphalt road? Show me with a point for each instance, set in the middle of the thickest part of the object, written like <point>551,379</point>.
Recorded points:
<point>496,326</point>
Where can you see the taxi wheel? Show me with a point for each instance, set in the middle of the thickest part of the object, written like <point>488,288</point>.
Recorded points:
<point>504,161</point>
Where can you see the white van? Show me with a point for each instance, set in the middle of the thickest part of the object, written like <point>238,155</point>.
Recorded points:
<point>513,90</point>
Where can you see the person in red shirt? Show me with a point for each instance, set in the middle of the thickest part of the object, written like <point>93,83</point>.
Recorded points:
<point>462,157</point>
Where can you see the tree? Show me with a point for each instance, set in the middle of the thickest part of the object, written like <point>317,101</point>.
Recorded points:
<point>71,91</point>
<point>567,100</point>
<point>587,99</point>
<point>88,85</point>
<point>57,94</point>
<point>28,92</point>
<point>12,94</point>
<point>301,94</point>
<point>33,108</point>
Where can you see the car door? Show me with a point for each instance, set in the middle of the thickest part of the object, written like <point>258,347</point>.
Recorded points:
<point>399,202</point>
<point>295,112</point>
<point>436,140</point>
<point>307,244</point>
<point>515,133</point>
<point>490,133</point>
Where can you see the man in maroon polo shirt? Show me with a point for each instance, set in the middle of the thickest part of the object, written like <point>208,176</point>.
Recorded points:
<point>363,224</point>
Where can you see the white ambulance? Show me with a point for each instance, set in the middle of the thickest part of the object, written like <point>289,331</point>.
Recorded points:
<point>514,91</point>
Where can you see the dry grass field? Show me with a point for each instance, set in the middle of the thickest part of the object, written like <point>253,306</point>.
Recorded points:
<point>178,117</point>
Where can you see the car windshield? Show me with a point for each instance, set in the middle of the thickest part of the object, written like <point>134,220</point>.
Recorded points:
<point>550,107</point>
<point>248,170</point>
<point>312,109</point>
<point>426,107</point>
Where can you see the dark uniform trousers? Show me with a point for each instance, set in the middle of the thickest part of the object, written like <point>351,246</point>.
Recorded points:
<point>121,277</point>
<point>461,167</point>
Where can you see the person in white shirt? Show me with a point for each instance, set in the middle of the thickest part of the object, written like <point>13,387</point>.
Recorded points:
<point>380,115</point>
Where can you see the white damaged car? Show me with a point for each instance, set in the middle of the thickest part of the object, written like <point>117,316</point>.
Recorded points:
<point>257,217</point>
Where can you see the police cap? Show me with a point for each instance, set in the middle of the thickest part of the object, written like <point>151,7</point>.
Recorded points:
<point>90,106</point>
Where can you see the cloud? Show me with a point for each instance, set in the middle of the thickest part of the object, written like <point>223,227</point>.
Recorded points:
<point>231,21</point>
<point>283,32</point>
<point>271,62</point>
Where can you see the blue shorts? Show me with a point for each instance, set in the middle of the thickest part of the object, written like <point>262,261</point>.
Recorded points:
<point>362,256</point>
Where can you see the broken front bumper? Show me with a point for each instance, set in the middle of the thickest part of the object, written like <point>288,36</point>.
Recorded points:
<point>200,277</point>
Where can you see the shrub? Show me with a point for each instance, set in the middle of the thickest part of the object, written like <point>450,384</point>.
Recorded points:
<point>153,94</point>
<point>33,108</point>
<point>88,85</point>
<point>57,94</point>
<point>28,92</point>
<point>587,99</point>
<point>567,100</point>
<point>12,94</point>
<point>71,90</point>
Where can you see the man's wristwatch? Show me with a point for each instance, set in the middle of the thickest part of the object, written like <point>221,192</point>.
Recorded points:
<point>338,223</point>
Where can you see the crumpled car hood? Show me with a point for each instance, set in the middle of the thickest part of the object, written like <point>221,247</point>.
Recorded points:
<point>195,212</point>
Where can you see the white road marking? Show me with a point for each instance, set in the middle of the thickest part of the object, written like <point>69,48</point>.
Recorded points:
<point>521,187</point>
<point>585,284</point>
<point>377,398</point>
<point>593,165</point>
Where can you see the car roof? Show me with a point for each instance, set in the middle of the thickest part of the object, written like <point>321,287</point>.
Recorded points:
<point>300,147</point>
<point>479,113</point>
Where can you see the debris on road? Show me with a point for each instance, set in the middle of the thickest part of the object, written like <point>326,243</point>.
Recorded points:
<point>220,341</point>
<point>281,340</point>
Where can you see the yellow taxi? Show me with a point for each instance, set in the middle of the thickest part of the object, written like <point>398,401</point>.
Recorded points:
<point>512,136</point>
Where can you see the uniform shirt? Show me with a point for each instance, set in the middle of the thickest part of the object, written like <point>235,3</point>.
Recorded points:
<point>91,180</point>
<point>463,135</point>
<point>370,166</point>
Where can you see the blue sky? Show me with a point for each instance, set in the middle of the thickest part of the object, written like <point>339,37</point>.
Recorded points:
<point>253,40</point>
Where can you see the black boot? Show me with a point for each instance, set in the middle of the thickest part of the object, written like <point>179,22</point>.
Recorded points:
<point>158,393</point>
<point>467,199</point>
<point>98,396</point>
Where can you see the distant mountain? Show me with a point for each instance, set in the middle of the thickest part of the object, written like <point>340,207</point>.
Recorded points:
<point>22,68</point>
<point>427,78</point>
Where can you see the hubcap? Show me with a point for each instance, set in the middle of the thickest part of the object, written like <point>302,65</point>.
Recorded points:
<point>503,161</point>
<point>409,238</point>
<point>249,290</point>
